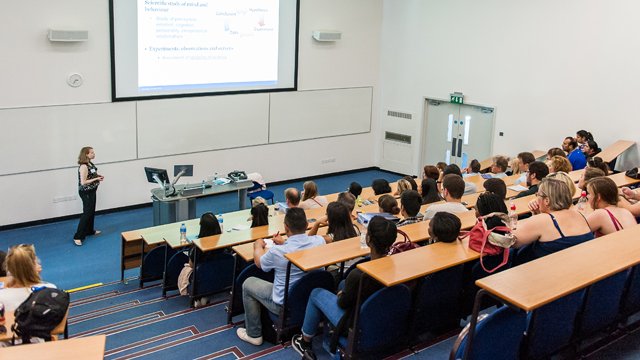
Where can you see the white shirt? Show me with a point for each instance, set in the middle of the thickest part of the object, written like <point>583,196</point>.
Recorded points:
<point>450,207</point>
<point>313,203</point>
<point>13,297</point>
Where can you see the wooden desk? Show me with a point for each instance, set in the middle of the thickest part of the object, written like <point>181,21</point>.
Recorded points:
<point>623,180</point>
<point>561,273</point>
<point>91,347</point>
<point>486,163</point>
<point>416,263</point>
<point>614,150</point>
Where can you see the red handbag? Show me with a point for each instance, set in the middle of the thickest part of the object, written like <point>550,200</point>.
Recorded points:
<point>488,243</point>
<point>404,245</point>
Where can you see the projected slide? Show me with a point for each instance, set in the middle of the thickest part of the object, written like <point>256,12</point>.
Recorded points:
<point>187,44</point>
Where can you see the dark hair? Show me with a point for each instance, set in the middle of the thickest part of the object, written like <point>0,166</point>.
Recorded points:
<point>3,266</point>
<point>585,134</point>
<point>380,186</point>
<point>347,199</point>
<point>296,220</point>
<point>597,162</point>
<point>452,169</point>
<point>381,234</point>
<point>441,165</point>
<point>209,225</point>
<point>555,151</point>
<point>293,195</point>
<point>526,157</point>
<point>488,203</point>
<point>475,166</point>
<point>604,188</point>
<point>260,215</point>
<point>411,202</point>
<point>340,223</point>
<point>429,191</point>
<point>540,169</point>
<point>501,162</point>
<point>496,186</point>
<point>388,204</point>
<point>355,189</point>
<point>431,172</point>
<point>594,147</point>
<point>414,185</point>
<point>445,227</point>
<point>572,142</point>
<point>454,185</point>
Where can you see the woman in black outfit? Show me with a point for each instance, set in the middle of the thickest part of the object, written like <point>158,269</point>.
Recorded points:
<point>88,181</point>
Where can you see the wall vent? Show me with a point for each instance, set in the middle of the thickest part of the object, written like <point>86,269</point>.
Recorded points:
<point>399,114</point>
<point>405,139</point>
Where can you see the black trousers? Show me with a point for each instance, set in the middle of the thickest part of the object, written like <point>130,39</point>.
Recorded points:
<point>85,226</point>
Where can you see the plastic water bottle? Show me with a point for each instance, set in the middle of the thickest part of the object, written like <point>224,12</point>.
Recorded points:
<point>359,201</point>
<point>513,216</point>
<point>220,220</point>
<point>183,233</point>
<point>582,203</point>
<point>363,235</point>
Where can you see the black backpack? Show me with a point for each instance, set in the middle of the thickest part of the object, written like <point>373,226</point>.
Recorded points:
<point>37,316</point>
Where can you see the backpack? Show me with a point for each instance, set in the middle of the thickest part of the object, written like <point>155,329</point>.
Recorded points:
<point>37,316</point>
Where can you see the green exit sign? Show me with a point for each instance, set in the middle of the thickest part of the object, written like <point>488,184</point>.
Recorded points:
<point>456,98</point>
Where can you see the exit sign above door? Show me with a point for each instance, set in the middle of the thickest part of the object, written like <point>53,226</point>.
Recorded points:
<point>456,98</point>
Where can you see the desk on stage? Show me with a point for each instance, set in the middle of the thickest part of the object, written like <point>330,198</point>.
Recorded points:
<point>182,206</point>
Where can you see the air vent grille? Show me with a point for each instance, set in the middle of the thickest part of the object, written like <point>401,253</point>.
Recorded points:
<point>406,139</point>
<point>399,114</point>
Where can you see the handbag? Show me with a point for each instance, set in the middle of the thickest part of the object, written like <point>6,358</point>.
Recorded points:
<point>633,173</point>
<point>488,242</point>
<point>405,245</point>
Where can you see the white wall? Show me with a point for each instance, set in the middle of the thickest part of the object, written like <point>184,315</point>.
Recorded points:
<point>33,80</point>
<point>552,66</point>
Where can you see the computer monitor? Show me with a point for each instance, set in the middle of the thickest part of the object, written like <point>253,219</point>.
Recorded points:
<point>153,173</point>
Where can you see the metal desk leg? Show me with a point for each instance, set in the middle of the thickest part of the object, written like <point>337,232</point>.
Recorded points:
<point>164,271</point>
<point>242,202</point>
<point>141,263</point>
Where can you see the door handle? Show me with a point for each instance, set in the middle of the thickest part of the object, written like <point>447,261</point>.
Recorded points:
<point>453,146</point>
<point>459,147</point>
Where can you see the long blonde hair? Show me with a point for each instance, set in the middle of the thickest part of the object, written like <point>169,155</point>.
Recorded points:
<point>310,190</point>
<point>21,263</point>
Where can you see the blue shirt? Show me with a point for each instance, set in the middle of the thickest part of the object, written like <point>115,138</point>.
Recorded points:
<point>274,259</point>
<point>577,159</point>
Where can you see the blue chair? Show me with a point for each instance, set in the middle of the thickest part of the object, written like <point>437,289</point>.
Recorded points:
<point>382,324</point>
<point>153,263</point>
<point>236,307</point>
<point>631,299</point>
<point>551,326</point>
<point>497,337</point>
<point>174,267</point>
<point>294,307</point>
<point>602,304</point>
<point>214,274</point>
<point>256,191</point>
<point>437,302</point>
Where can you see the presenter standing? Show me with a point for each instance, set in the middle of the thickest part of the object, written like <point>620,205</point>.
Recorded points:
<point>88,181</point>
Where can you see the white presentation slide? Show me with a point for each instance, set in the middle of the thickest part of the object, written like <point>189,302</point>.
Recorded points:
<point>185,43</point>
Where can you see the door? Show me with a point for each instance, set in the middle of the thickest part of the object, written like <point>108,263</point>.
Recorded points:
<point>456,133</point>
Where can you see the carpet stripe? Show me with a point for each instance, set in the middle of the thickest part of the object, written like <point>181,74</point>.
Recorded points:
<point>98,330</point>
<point>263,352</point>
<point>111,294</point>
<point>237,352</point>
<point>78,318</point>
<point>190,329</point>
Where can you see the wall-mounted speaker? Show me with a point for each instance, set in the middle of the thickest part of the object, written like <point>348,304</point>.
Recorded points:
<point>327,35</point>
<point>68,35</point>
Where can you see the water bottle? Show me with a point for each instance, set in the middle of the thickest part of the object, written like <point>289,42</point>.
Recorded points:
<point>359,201</point>
<point>183,233</point>
<point>203,186</point>
<point>513,216</point>
<point>220,220</point>
<point>363,235</point>
<point>582,203</point>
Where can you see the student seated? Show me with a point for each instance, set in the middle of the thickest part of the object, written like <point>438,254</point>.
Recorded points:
<point>292,200</point>
<point>310,197</point>
<point>597,162</point>
<point>582,136</point>
<point>412,181</point>
<point>323,304</point>
<point>22,266</point>
<point>339,222</point>
<point>257,292</point>
<point>380,186</point>
<point>559,163</point>
<point>429,191</point>
<point>565,178</point>
<point>388,204</point>
<point>496,186</point>
<point>347,199</point>
<point>403,185</point>
<point>452,189</point>
<point>432,172</point>
<point>524,160</point>
<point>607,217</point>
<point>411,202</point>
<point>554,226</point>
<point>537,171</point>
<point>444,227</point>
<point>489,203</point>
<point>499,166</point>
<point>355,189</point>
<point>591,149</point>
<point>259,213</point>
<point>575,156</point>
<point>588,174</point>
<point>469,187</point>
<point>555,151</point>
<point>473,169</point>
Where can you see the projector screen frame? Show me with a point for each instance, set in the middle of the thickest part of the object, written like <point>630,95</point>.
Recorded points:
<point>114,98</point>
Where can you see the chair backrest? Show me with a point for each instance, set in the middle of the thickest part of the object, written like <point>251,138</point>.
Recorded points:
<point>214,274</point>
<point>498,336</point>
<point>602,304</point>
<point>154,262</point>
<point>551,326</point>
<point>174,266</point>
<point>250,271</point>
<point>437,302</point>
<point>383,320</point>
<point>299,295</point>
<point>631,299</point>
